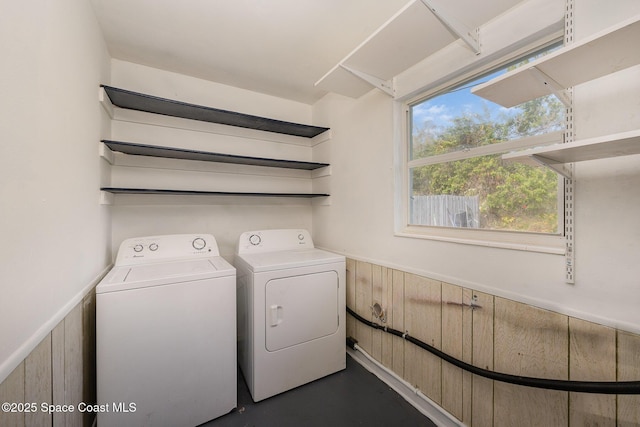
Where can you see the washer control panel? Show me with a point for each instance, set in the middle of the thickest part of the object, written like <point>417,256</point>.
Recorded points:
<point>166,248</point>
<point>274,240</point>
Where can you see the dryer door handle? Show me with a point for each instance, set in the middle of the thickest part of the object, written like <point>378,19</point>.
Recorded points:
<point>276,314</point>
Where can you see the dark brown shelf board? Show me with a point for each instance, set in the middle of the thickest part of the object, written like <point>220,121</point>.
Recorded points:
<point>116,190</point>
<point>151,104</point>
<point>207,156</point>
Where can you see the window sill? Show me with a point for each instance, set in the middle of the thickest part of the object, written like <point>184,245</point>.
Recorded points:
<point>529,242</point>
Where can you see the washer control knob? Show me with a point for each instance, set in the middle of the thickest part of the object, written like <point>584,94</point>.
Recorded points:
<point>153,247</point>
<point>254,239</point>
<point>199,243</point>
<point>138,248</point>
<point>300,236</point>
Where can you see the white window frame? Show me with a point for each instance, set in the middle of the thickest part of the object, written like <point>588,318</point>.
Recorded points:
<point>534,242</point>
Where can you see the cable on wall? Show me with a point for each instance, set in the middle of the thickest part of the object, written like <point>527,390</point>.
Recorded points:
<point>600,387</point>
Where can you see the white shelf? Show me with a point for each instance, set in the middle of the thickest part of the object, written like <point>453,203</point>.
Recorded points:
<point>419,29</point>
<point>603,53</point>
<point>398,44</point>
<point>620,144</point>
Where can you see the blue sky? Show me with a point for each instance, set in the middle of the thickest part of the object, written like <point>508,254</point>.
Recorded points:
<point>441,110</point>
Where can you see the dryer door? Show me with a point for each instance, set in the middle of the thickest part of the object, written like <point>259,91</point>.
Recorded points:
<point>300,309</point>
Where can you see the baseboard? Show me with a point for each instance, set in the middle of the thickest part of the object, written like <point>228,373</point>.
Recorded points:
<point>412,395</point>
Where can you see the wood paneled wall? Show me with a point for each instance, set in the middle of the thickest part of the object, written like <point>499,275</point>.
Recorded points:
<point>59,371</point>
<point>502,335</point>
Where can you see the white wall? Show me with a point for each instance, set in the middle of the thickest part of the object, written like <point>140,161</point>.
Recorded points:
<point>55,236</point>
<point>360,220</point>
<point>223,216</point>
<point>57,240</point>
<point>606,191</point>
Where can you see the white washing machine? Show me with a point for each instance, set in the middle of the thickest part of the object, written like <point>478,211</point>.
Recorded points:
<point>291,311</point>
<point>166,333</point>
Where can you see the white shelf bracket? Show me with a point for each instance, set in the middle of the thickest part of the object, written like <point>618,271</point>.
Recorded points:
<point>106,153</point>
<point>321,201</point>
<point>384,85</point>
<point>560,168</point>
<point>106,198</point>
<point>323,137</point>
<point>105,101</point>
<point>321,172</point>
<point>555,87</point>
<point>569,230</point>
<point>569,183</point>
<point>470,36</point>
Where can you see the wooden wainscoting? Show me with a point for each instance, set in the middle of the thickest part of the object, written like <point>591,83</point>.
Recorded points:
<point>501,335</point>
<point>59,371</point>
<point>628,370</point>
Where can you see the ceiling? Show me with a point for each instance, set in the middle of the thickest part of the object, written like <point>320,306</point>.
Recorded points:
<point>276,47</point>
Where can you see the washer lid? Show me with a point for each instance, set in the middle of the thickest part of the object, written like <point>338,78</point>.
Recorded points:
<point>163,273</point>
<point>268,261</point>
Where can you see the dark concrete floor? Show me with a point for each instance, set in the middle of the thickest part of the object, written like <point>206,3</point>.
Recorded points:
<point>353,397</point>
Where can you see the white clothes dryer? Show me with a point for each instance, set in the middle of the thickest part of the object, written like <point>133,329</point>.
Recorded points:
<point>166,333</point>
<point>291,311</point>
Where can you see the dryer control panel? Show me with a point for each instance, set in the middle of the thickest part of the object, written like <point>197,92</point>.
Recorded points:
<point>166,248</point>
<point>274,240</point>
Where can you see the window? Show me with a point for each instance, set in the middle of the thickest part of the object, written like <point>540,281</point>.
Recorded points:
<point>456,176</point>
